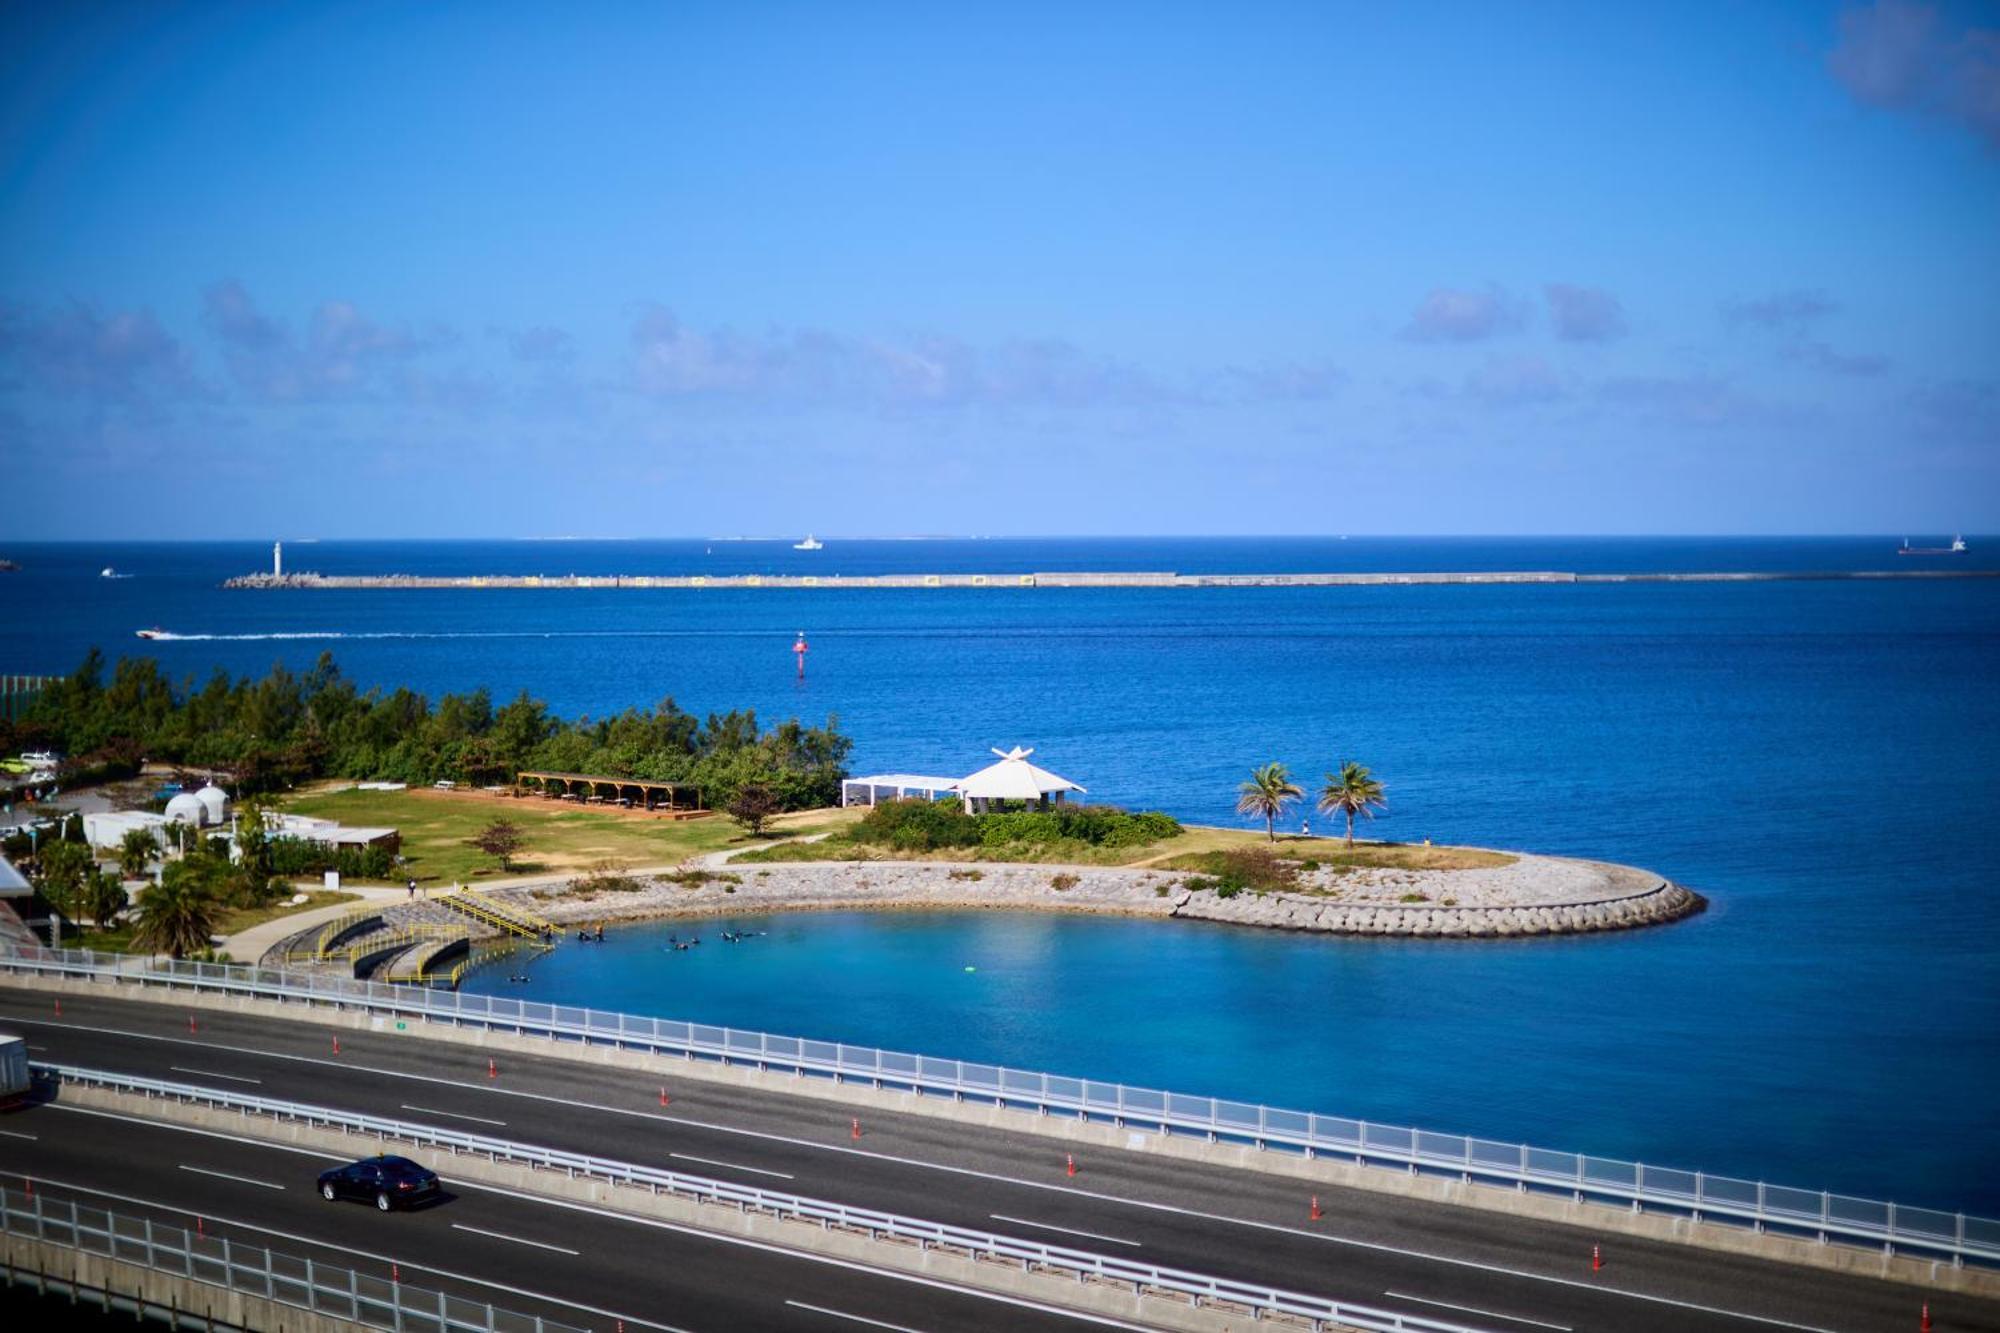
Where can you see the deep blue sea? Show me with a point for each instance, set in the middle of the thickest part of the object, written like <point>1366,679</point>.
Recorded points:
<point>1819,758</point>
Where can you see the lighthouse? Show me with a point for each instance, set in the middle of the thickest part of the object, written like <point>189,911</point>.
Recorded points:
<point>277,560</point>
<point>800,650</point>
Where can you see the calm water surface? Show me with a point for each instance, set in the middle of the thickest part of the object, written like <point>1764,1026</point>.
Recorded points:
<point>1818,758</point>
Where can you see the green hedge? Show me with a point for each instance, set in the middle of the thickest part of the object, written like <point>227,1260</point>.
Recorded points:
<point>931,826</point>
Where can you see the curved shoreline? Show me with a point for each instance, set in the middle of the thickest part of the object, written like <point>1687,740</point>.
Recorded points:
<point>1591,896</point>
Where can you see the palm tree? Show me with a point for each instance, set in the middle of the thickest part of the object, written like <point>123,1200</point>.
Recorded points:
<point>1354,792</point>
<point>177,915</point>
<point>136,851</point>
<point>1268,793</point>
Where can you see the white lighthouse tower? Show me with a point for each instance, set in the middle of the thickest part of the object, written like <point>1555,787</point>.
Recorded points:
<point>277,560</point>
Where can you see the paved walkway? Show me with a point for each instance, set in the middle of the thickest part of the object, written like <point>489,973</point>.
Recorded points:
<point>249,945</point>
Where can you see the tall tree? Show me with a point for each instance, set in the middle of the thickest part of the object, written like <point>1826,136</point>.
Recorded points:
<point>1267,795</point>
<point>177,916</point>
<point>1353,791</point>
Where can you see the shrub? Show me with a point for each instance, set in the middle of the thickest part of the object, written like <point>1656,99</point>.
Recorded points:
<point>929,826</point>
<point>1414,898</point>
<point>1063,883</point>
<point>960,874</point>
<point>607,876</point>
<point>1255,868</point>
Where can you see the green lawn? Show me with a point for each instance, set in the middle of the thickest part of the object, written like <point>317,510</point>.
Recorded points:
<point>556,836</point>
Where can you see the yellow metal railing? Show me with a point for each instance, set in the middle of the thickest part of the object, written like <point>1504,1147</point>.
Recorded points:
<point>509,918</point>
<point>315,948</point>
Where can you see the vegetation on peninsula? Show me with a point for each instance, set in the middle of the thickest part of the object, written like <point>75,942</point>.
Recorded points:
<point>920,829</point>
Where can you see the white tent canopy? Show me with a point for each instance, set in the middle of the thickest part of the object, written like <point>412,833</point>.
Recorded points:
<point>894,787</point>
<point>1012,779</point>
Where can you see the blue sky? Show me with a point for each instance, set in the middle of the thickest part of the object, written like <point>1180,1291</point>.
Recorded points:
<point>464,270</point>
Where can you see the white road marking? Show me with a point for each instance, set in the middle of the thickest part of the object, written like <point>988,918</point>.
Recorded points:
<point>731,1166</point>
<point>852,1318</point>
<point>224,1175</point>
<point>17,1134</point>
<point>935,1283</point>
<point>1484,1314</point>
<point>453,1115</point>
<point>497,1235</point>
<point>1427,1256</point>
<point>210,1073</point>
<point>1067,1231</point>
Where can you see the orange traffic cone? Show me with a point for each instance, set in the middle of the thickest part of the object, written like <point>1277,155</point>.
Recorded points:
<point>1596,1259</point>
<point>191,1024</point>
<point>854,1128</point>
<point>663,1095</point>
<point>1069,1163</point>
<point>1316,1214</point>
<point>1925,1325</point>
<point>336,1045</point>
<point>492,1070</point>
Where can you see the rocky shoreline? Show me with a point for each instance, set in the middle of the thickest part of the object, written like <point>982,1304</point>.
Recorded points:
<point>1536,895</point>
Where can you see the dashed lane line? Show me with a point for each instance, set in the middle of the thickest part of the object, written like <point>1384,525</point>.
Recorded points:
<point>1483,1314</point>
<point>1067,1231</point>
<point>518,1240</point>
<point>224,1175</point>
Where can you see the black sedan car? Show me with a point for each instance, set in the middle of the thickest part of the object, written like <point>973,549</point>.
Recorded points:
<point>387,1182</point>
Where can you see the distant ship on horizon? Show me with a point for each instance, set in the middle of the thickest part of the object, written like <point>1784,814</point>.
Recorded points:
<point>811,543</point>
<point>1957,547</point>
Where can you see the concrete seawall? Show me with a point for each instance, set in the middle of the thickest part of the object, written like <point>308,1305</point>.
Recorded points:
<point>1535,895</point>
<point>1085,579</point>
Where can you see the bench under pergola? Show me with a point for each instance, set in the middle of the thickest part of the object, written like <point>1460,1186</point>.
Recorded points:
<point>594,787</point>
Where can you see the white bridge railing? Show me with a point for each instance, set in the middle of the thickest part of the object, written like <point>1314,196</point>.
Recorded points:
<point>1197,1288</point>
<point>1752,1204</point>
<point>306,1284</point>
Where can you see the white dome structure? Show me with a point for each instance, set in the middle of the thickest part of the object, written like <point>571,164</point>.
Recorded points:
<point>187,808</point>
<point>216,802</point>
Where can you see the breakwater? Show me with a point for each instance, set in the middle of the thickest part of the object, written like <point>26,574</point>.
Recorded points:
<point>1533,895</point>
<point>1078,579</point>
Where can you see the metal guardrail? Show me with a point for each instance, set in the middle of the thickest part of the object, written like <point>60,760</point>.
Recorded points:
<point>307,1284</point>
<point>1726,1200</point>
<point>1199,1289</point>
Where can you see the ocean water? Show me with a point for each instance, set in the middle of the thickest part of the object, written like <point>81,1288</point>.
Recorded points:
<point>1819,758</point>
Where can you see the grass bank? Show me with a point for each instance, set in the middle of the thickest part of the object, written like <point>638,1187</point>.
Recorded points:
<point>232,921</point>
<point>555,836</point>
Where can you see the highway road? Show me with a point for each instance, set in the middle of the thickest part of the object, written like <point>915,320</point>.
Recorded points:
<point>1484,1268</point>
<point>585,1267</point>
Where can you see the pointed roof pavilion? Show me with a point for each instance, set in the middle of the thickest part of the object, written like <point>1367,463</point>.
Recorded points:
<point>1012,779</point>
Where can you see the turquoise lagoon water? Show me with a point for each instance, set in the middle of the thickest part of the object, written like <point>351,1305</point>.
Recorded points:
<point>1820,759</point>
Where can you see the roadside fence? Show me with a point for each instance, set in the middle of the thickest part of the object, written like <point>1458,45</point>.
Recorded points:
<point>1030,1256</point>
<point>1705,1198</point>
<point>307,1284</point>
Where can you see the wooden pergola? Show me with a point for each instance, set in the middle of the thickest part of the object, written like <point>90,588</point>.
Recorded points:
<point>591,788</point>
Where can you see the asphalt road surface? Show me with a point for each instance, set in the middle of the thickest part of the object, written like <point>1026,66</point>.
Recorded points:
<point>1478,1267</point>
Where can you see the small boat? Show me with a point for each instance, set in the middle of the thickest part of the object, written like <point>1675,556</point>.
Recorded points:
<point>811,543</point>
<point>1957,547</point>
<point>154,633</point>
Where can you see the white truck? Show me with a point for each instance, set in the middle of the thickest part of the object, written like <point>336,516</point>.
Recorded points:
<point>13,1069</point>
